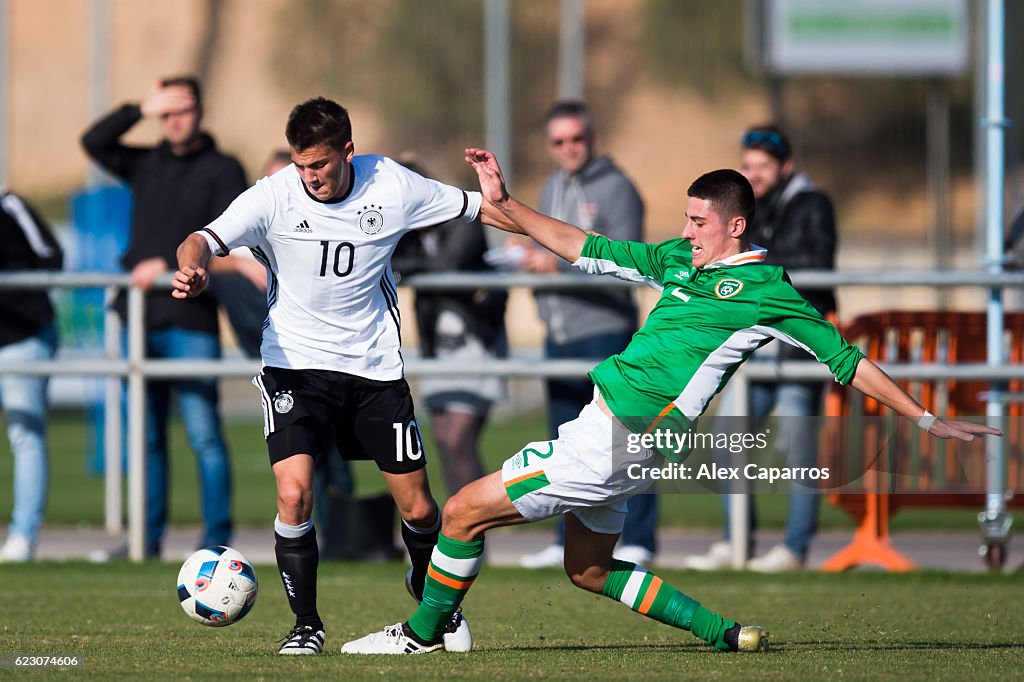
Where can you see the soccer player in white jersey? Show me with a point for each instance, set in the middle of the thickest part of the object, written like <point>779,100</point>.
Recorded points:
<point>719,302</point>
<point>325,227</point>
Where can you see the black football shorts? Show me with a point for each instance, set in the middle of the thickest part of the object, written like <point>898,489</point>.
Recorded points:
<point>370,419</point>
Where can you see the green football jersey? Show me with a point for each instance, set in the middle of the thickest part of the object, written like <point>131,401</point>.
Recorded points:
<point>706,323</point>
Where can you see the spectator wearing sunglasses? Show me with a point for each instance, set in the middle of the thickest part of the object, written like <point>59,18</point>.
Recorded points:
<point>590,191</point>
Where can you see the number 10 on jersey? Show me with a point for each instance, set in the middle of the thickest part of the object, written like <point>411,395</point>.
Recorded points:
<point>344,258</point>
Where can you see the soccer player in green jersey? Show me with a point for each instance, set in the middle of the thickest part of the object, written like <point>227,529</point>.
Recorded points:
<point>719,302</point>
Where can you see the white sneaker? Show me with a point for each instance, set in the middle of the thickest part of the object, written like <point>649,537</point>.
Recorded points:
<point>779,558</point>
<point>392,640</point>
<point>634,554</point>
<point>549,557</point>
<point>719,557</point>
<point>457,636</point>
<point>17,549</point>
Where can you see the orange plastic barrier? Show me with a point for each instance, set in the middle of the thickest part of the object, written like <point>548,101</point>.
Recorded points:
<point>927,337</point>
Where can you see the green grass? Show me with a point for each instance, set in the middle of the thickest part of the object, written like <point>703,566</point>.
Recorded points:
<point>124,621</point>
<point>76,497</point>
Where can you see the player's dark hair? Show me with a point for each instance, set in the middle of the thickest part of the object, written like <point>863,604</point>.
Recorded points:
<point>769,139</point>
<point>190,82</point>
<point>318,121</point>
<point>570,108</point>
<point>729,193</point>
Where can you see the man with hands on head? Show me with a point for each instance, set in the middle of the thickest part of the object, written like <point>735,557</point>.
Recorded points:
<point>177,186</point>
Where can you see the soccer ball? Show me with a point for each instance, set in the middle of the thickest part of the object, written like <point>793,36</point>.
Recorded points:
<point>217,586</point>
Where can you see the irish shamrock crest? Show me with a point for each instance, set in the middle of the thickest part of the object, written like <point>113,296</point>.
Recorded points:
<point>727,288</point>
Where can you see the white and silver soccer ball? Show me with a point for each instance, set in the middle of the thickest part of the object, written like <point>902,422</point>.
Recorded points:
<point>217,586</point>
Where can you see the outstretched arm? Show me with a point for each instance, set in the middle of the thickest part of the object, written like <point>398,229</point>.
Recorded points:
<point>873,382</point>
<point>504,212</point>
<point>491,215</point>
<point>191,278</point>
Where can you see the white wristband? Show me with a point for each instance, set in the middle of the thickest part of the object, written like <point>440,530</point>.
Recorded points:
<point>926,421</point>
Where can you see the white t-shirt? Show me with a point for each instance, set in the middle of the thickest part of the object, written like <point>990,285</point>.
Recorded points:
<point>330,290</point>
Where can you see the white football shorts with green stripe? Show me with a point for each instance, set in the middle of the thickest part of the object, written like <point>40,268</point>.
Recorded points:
<point>576,472</point>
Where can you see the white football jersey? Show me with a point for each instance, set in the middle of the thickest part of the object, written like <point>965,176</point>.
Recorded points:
<point>330,291</point>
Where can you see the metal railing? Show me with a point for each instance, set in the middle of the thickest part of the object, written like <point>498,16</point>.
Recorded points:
<point>136,369</point>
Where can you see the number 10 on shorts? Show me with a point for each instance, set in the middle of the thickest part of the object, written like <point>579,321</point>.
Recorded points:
<point>408,441</point>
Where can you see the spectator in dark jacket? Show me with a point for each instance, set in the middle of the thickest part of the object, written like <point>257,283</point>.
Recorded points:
<point>795,222</point>
<point>27,333</point>
<point>466,326</point>
<point>179,186</point>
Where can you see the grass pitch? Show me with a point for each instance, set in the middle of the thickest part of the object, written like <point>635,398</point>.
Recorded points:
<point>123,621</point>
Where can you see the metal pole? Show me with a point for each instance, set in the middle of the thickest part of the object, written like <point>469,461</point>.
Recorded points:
<point>995,522</point>
<point>497,84</point>
<point>136,426</point>
<point>5,80</point>
<point>99,73</point>
<point>571,51</point>
<point>1014,162</point>
<point>980,82</point>
<point>739,502</point>
<point>113,442</point>
<point>938,171</point>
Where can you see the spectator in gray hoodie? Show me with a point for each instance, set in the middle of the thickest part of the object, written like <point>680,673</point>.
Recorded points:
<point>592,192</point>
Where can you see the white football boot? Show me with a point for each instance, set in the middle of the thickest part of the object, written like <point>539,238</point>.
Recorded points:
<point>392,640</point>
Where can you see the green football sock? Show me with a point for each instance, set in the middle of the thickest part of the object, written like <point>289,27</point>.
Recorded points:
<point>648,595</point>
<point>453,568</point>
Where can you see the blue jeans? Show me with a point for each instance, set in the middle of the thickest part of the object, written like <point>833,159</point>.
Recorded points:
<point>24,403</point>
<point>566,398</point>
<point>801,443</point>
<point>198,404</point>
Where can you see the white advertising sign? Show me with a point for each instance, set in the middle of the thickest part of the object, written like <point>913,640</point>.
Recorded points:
<point>867,36</point>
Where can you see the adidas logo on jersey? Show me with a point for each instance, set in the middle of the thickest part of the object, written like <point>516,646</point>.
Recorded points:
<point>303,227</point>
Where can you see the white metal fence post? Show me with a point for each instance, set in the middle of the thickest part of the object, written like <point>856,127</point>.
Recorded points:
<point>113,441</point>
<point>739,502</point>
<point>995,521</point>
<point>136,425</point>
